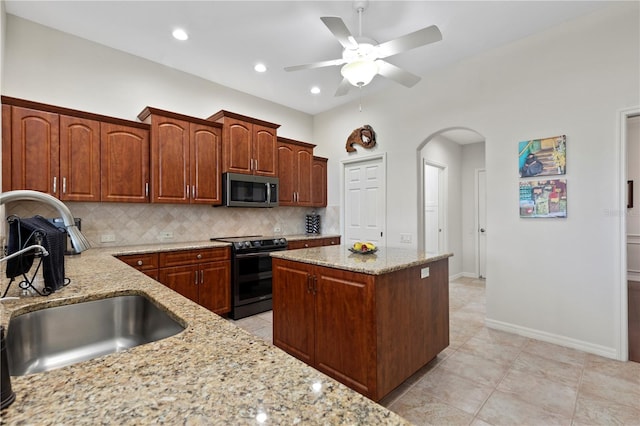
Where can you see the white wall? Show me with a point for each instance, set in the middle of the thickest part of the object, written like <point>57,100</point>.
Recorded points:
<point>45,65</point>
<point>52,67</point>
<point>558,280</point>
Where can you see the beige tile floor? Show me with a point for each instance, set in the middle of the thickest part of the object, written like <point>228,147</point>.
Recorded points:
<point>489,377</point>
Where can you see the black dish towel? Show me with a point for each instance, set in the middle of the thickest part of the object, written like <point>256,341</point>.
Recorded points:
<point>37,230</point>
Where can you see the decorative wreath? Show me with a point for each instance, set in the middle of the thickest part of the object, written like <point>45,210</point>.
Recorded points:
<point>364,136</point>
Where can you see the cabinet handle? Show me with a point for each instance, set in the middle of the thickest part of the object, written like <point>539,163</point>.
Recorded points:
<point>199,256</point>
<point>255,164</point>
<point>202,276</point>
<point>146,189</point>
<point>196,281</point>
<point>193,192</point>
<point>315,285</point>
<point>139,262</point>
<point>64,185</point>
<point>308,283</point>
<point>55,184</point>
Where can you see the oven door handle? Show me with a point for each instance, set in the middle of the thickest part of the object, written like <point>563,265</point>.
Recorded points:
<point>259,254</point>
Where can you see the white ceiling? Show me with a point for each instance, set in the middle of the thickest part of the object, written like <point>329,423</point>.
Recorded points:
<point>228,37</point>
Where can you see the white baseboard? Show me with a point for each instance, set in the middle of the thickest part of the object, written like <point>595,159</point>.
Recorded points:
<point>568,342</point>
<point>463,274</point>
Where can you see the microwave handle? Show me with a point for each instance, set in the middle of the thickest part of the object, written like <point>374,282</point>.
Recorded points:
<point>268,193</point>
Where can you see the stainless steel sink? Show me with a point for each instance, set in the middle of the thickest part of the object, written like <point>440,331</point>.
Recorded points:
<point>63,335</point>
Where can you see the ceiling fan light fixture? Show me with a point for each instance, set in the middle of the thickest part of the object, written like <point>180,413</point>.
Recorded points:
<point>359,73</point>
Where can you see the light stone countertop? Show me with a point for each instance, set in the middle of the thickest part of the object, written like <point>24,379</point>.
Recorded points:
<point>385,260</point>
<point>211,373</point>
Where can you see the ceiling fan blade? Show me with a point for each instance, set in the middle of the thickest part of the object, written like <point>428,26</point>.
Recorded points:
<point>315,65</point>
<point>409,41</point>
<point>397,74</point>
<point>340,31</point>
<point>343,87</point>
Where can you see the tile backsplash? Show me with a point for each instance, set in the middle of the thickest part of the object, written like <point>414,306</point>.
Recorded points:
<point>131,223</point>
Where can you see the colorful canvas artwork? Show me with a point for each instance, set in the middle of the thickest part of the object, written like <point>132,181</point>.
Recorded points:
<point>543,198</point>
<point>542,157</point>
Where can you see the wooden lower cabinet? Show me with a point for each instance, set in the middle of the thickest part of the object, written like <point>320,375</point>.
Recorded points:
<point>203,276</point>
<point>369,332</point>
<point>146,263</point>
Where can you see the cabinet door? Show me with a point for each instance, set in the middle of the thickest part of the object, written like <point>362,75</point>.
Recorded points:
<point>319,182</point>
<point>293,309</point>
<point>345,327</point>
<point>35,150</point>
<point>237,146</point>
<point>265,151</point>
<point>125,163</point>
<point>206,166</point>
<point>304,162</point>
<point>215,286</point>
<point>6,148</point>
<point>182,279</point>
<point>169,160</point>
<point>79,159</point>
<point>286,167</point>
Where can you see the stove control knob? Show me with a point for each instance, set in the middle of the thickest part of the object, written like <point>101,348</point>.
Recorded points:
<point>247,244</point>
<point>256,243</point>
<point>283,241</point>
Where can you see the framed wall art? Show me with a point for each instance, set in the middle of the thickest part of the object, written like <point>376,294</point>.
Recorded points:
<point>543,198</point>
<point>542,157</point>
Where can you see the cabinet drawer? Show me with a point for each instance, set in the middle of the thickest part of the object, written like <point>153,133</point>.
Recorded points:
<point>142,262</point>
<point>190,257</point>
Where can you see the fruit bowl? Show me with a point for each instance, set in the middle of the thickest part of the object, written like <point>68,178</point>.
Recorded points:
<point>363,248</point>
<point>352,250</point>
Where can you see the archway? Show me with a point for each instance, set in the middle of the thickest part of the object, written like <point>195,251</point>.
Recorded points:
<point>458,153</point>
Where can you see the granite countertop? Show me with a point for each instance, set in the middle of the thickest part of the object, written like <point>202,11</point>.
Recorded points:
<point>385,260</point>
<point>211,373</point>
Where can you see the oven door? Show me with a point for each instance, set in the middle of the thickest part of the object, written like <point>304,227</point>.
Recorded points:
<point>252,278</point>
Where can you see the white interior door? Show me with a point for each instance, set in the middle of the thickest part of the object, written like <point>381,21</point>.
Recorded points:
<point>433,209</point>
<point>482,223</point>
<point>364,201</point>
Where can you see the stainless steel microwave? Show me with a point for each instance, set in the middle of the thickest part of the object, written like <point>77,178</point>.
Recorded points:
<point>240,190</point>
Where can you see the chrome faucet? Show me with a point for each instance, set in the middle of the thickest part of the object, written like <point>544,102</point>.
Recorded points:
<point>78,241</point>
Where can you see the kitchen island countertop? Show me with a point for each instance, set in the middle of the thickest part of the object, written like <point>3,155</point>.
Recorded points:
<point>385,260</point>
<point>211,373</point>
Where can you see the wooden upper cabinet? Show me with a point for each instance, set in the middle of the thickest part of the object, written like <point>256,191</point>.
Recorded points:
<point>79,159</point>
<point>295,161</point>
<point>206,163</point>
<point>35,146</point>
<point>125,163</point>
<point>185,158</point>
<point>319,182</point>
<point>249,145</point>
<point>73,155</point>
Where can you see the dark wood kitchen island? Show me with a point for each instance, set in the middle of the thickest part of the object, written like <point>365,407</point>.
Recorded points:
<point>368,320</point>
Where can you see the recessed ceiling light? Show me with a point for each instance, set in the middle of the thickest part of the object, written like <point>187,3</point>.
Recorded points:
<point>180,34</point>
<point>260,67</point>
<point>315,90</point>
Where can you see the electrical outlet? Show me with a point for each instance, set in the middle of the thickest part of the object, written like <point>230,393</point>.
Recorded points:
<point>405,238</point>
<point>424,272</point>
<point>166,235</point>
<point>107,238</point>
<point>277,229</point>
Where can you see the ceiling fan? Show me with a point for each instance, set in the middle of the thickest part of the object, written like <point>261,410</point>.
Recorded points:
<point>363,58</point>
